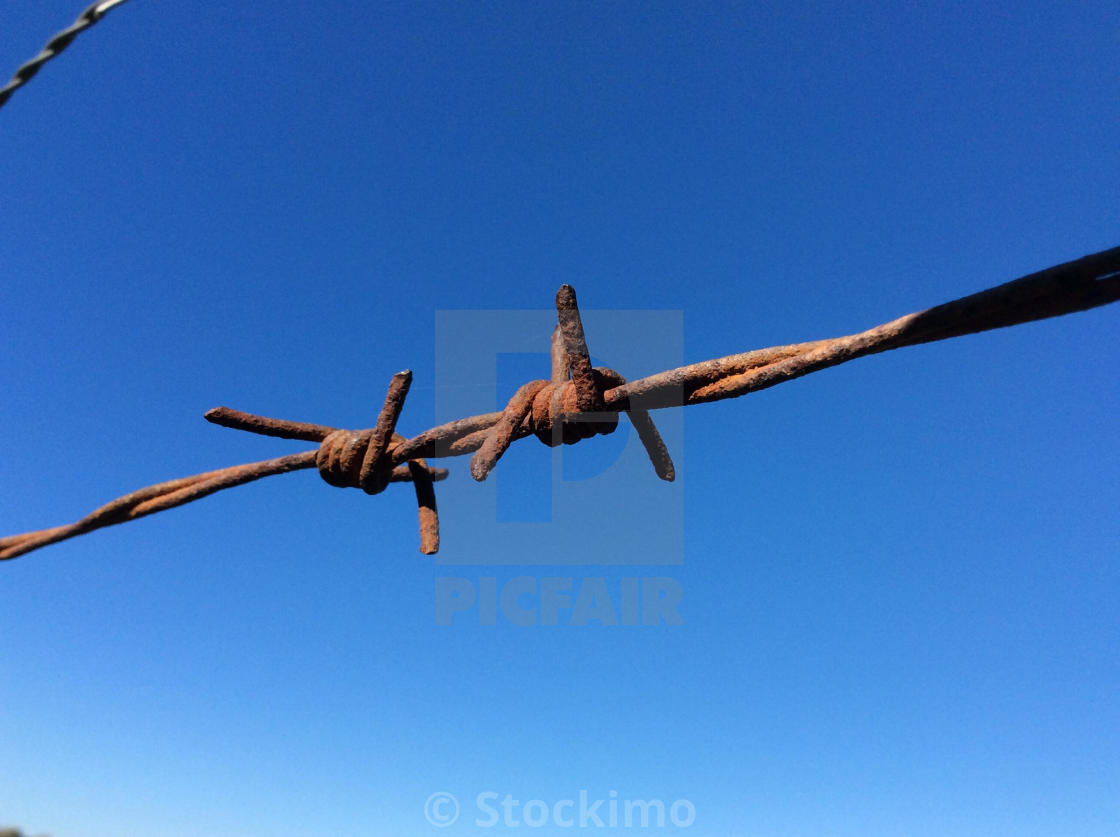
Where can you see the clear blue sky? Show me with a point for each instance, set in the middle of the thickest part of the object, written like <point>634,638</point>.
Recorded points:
<point>900,577</point>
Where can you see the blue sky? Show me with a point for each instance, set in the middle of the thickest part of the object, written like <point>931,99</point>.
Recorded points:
<point>899,577</point>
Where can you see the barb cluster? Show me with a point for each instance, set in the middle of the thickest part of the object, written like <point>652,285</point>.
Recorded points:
<point>364,459</point>
<point>580,401</point>
<point>571,406</point>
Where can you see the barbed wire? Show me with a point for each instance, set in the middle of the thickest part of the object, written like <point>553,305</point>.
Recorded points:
<point>579,401</point>
<point>55,46</point>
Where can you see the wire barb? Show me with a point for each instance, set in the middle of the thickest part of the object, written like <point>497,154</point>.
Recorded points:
<point>580,401</point>
<point>575,348</point>
<point>384,431</point>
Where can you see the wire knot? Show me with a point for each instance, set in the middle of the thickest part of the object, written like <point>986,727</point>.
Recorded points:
<point>365,459</point>
<point>570,407</point>
<point>555,416</point>
<point>351,459</point>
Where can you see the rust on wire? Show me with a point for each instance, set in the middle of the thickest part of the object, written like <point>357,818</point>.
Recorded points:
<point>588,397</point>
<point>579,401</point>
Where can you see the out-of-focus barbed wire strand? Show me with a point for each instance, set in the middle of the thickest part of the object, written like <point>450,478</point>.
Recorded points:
<point>56,46</point>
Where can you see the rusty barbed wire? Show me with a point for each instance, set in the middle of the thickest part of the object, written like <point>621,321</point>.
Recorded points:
<point>55,46</point>
<point>579,401</point>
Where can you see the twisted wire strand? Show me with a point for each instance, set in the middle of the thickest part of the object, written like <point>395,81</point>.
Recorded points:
<point>552,409</point>
<point>55,46</point>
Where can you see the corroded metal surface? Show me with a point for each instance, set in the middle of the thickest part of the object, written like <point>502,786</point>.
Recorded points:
<point>498,439</point>
<point>426,503</point>
<point>580,401</point>
<point>588,397</point>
